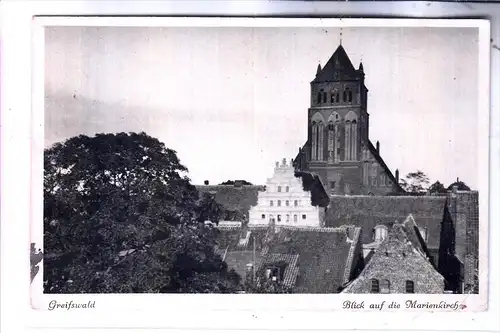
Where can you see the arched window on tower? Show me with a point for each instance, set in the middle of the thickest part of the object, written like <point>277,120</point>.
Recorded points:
<point>317,137</point>
<point>344,96</point>
<point>321,131</point>
<point>318,100</point>
<point>351,137</point>
<point>349,95</point>
<point>324,97</point>
<point>331,142</point>
<point>347,147</point>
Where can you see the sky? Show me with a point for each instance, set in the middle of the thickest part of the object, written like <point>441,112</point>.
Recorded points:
<point>232,101</point>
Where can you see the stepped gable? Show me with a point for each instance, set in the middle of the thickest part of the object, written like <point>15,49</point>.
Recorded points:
<point>369,211</point>
<point>312,183</point>
<point>236,199</point>
<point>322,256</point>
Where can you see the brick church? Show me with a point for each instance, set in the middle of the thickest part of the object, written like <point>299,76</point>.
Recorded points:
<point>371,239</point>
<point>338,148</point>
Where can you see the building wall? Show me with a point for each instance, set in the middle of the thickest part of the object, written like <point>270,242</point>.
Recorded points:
<point>285,198</point>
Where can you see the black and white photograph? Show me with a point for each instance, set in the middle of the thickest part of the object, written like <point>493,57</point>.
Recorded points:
<point>258,159</point>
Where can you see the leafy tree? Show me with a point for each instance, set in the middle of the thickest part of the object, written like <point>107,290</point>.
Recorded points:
<point>232,182</point>
<point>121,216</point>
<point>35,257</point>
<point>415,183</point>
<point>437,189</point>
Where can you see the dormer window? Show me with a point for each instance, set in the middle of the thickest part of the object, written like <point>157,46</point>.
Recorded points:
<point>380,233</point>
<point>423,233</point>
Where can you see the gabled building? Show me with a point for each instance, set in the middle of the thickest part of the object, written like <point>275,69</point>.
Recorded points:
<point>338,148</point>
<point>290,198</point>
<point>401,264</point>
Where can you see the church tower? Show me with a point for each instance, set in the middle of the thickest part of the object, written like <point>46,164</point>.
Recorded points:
<point>338,148</point>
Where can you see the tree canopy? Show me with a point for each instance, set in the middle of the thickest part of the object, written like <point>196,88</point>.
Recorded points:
<point>415,183</point>
<point>437,189</point>
<point>120,215</point>
<point>235,182</point>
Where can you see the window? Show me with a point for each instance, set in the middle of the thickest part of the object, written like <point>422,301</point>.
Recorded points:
<point>295,203</point>
<point>410,287</point>
<point>287,218</point>
<point>279,218</point>
<point>304,216</point>
<point>319,98</point>
<point>324,97</point>
<point>423,233</point>
<point>279,203</point>
<point>374,181</point>
<point>295,218</point>
<point>263,216</point>
<point>287,203</point>
<point>332,185</point>
<point>380,233</point>
<point>375,288</point>
<point>271,203</point>
<point>279,188</point>
<point>287,188</point>
<point>385,286</point>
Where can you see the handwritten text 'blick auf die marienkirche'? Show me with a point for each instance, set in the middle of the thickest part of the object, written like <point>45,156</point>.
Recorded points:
<point>409,304</point>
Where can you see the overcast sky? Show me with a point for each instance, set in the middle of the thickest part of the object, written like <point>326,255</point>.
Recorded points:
<point>232,101</point>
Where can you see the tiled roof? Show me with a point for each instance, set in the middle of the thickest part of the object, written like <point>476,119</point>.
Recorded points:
<point>321,257</point>
<point>370,211</point>
<point>312,183</point>
<point>316,257</point>
<point>338,63</point>
<point>229,237</point>
<point>291,271</point>
<point>236,199</point>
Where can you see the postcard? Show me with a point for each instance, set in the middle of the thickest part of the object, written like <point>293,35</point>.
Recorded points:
<point>279,164</point>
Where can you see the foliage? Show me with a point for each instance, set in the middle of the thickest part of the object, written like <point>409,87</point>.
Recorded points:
<point>461,186</point>
<point>120,216</point>
<point>415,183</point>
<point>35,257</point>
<point>233,182</point>
<point>437,189</point>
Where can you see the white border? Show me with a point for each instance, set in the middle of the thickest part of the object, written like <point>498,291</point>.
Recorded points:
<point>14,143</point>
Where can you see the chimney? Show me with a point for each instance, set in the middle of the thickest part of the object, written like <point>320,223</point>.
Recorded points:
<point>283,162</point>
<point>277,164</point>
<point>397,176</point>
<point>206,182</point>
<point>378,147</point>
